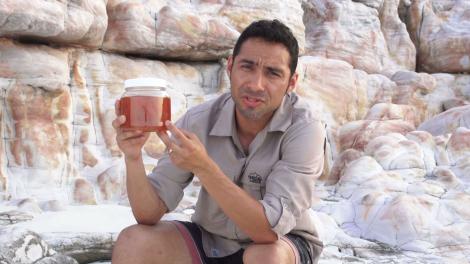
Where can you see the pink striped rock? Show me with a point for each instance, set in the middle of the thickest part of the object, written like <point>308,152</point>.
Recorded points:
<point>37,118</point>
<point>198,30</point>
<point>384,111</point>
<point>446,177</point>
<point>393,151</point>
<point>357,134</point>
<point>83,192</point>
<point>3,173</point>
<point>428,146</point>
<point>413,89</point>
<point>333,89</point>
<point>458,148</point>
<point>441,32</point>
<point>56,120</point>
<point>452,90</point>
<point>448,121</point>
<point>341,163</point>
<point>440,152</point>
<point>401,207</point>
<point>371,38</point>
<point>68,22</point>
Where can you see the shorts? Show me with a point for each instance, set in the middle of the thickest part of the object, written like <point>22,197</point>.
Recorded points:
<point>192,235</point>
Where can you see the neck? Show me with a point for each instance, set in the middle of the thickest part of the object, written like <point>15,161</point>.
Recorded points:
<point>248,129</point>
<point>249,126</point>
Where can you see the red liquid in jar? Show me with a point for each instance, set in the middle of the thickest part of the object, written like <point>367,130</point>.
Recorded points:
<point>146,113</point>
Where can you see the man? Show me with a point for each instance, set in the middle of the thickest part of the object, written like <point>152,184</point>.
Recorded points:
<point>256,151</point>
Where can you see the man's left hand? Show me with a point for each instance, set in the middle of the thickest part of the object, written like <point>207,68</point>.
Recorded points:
<point>185,149</point>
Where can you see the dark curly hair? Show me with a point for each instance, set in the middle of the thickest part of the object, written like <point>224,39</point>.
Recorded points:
<point>271,31</point>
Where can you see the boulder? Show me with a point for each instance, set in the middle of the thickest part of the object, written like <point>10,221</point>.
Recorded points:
<point>448,121</point>
<point>367,34</point>
<point>195,31</point>
<point>394,151</point>
<point>458,149</point>
<point>452,90</point>
<point>441,33</point>
<point>13,217</point>
<point>358,134</point>
<point>83,247</point>
<point>26,247</point>
<point>68,22</point>
<point>57,115</point>
<point>412,89</point>
<point>384,111</point>
<point>333,89</point>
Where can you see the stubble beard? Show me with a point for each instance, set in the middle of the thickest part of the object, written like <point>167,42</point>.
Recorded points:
<point>254,114</point>
<point>251,114</point>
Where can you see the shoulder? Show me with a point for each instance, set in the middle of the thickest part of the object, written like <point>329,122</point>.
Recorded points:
<point>307,133</point>
<point>302,112</point>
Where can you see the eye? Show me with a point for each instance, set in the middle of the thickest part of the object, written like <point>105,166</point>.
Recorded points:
<point>246,66</point>
<point>274,73</point>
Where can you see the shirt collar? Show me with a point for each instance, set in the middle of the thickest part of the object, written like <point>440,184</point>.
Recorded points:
<point>225,124</point>
<point>282,118</point>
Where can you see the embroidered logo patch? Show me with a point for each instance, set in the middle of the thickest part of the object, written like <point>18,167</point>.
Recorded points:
<point>215,252</point>
<point>254,177</point>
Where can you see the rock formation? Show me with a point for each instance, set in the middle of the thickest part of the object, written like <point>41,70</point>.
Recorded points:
<point>390,79</point>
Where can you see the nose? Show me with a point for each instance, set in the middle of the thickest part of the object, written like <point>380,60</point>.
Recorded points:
<point>256,81</point>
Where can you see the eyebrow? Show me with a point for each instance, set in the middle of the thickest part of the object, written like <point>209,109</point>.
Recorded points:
<point>247,61</point>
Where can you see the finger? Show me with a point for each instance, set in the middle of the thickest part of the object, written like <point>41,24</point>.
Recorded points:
<point>117,107</point>
<point>177,133</point>
<point>137,136</point>
<point>170,144</point>
<point>119,121</point>
<point>138,139</point>
<point>164,137</point>
<point>126,135</point>
<point>189,135</point>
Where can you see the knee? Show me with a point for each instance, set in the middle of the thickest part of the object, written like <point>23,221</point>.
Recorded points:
<point>139,243</point>
<point>265,253</point>
<point>131,240</point>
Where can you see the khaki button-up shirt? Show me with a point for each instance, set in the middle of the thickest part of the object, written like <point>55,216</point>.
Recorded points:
<point>280,170</point>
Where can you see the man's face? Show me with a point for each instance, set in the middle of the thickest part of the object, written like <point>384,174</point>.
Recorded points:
<point>259,78</point>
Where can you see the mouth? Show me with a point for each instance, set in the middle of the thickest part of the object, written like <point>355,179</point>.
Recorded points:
<point>252,102</point>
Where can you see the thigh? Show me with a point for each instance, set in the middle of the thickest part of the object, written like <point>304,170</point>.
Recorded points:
<point>281,251</point>
<point>161,243</point>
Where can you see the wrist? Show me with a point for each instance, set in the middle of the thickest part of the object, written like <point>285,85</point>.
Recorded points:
<point>132,159</point>
<point>209,168</point>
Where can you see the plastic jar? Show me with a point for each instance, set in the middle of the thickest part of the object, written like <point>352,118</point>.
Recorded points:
<point>146,104</point>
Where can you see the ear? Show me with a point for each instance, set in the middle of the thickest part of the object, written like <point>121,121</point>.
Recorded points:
<point>229,65</point>
<point>293,82</point>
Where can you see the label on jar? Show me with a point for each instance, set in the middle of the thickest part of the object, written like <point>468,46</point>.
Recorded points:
<point>146,113</point>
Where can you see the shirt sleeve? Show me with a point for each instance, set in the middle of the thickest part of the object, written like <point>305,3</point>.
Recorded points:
<point>290,185</point>
<point>168,180</point>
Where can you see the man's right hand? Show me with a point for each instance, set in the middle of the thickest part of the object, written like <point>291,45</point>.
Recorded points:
<point>129,141</point>
<point>147,206</point>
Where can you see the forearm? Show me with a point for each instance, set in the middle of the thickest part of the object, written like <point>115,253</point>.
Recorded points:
<point>247,213</point>
<point>146,205</point>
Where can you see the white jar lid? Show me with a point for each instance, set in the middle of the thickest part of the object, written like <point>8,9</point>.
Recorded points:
<point>146,82</point>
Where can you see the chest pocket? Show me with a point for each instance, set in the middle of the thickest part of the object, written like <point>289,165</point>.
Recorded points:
<point>253,180</point>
